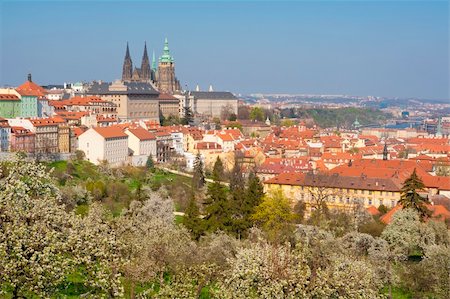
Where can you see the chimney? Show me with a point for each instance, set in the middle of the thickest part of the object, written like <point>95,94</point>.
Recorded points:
<point>29,78</point>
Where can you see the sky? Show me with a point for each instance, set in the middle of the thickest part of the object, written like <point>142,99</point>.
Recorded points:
<point>379,48</point>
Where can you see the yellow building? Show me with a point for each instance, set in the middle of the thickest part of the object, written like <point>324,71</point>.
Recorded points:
<point>337,191</point>
<point>64,138</point>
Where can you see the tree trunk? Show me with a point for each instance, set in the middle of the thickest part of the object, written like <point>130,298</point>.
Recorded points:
<point>132,287</point>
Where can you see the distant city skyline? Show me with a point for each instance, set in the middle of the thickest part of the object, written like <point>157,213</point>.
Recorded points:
<point>386,48</point>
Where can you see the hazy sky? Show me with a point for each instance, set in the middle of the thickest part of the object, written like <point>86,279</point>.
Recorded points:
<point>382,48</point>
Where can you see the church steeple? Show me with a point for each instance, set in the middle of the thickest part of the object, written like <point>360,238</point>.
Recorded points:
<point>166,53</point>
<point>145,66</point>
<point>127,69</point>
<point>154,62</point>
<point>385,152</point>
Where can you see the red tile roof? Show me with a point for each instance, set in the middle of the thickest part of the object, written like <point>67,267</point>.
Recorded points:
<point>77,131</point>
<point>30,88</point>
<point>337,181</point>
<point>207,145</point>
<point>439,212</point>
<point>373,211</point>
<point>9,97</point>
<point>110,132</point>
<point>50,121</point>
<point>142,134</point>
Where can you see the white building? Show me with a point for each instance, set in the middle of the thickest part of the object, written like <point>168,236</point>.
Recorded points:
<point>142,144</point>
<point>105,144</point>
<point>178,142</point>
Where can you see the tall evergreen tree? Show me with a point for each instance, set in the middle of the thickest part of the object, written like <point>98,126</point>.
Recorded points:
<point>192,220</point>
<point>218,212</point>
<point>253,193</point>
<point>218,171</point>
<point>410,197</point>
<point>150,165</point>
<point>237,200</point>
<point>198,179</point>
<point>237,183</point>
<point>188,116</point>
<point>252,197</point>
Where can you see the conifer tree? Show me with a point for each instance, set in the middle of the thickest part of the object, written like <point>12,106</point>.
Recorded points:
<point>410,197</point>
<point>198,179</point>
<point>237,194</point>
<point>217,207</point>
<point>218,171</point>
<point>150,165</point>
<point>254,192</point>
<point>192,220</point>
<point>237,183</point>
<point>251,198</point>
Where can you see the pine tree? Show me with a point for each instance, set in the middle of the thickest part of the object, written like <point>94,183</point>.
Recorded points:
<point>192,220</point>
<point>218,171</point>
<point>237,200</point>
<point>198,179</point>
<point>236,179</point>
<point>410,197</point>
<point>217,208</point>
<point>150,165</point>
<point>188,116</point>
<point>250,199</point>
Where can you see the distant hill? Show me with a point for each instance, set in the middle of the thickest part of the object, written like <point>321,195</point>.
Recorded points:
<point>343,117</point>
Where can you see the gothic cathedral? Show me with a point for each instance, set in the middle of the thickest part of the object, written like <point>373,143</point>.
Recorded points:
<point>162,76</point>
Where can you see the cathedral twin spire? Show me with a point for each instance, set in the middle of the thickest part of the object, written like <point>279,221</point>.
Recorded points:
<point>142,74</point>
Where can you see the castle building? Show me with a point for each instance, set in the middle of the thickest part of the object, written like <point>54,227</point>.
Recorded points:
<point>134,100</point>
<point>166,81</point>
<point>143,74</point>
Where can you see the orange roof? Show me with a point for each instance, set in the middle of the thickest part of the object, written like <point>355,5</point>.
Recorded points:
<point>72,115</point>
<point>30,88</point>
<point>418,140</point>
<point>84,101</point>
<point>142,134</point>
<point>439,212</point>
<point>77,131</point>
<point>225,136</point>
<point>50,121</point>
<point>110,132</point>
<point>207,145</point>
<point>373,211</point>
<point>9,97</point>
<point>102,118</point>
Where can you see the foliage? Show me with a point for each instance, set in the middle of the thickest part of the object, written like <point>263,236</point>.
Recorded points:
<point>257,113</point>
<point>341,117</point>
<point>266,271</point>
<point>406,235</point>
<point>41,243</point>
<point>274,215</point>
<point>171,120</point>
<point>155,243</point>
<point>234,124</point>
<point>287,123</point>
